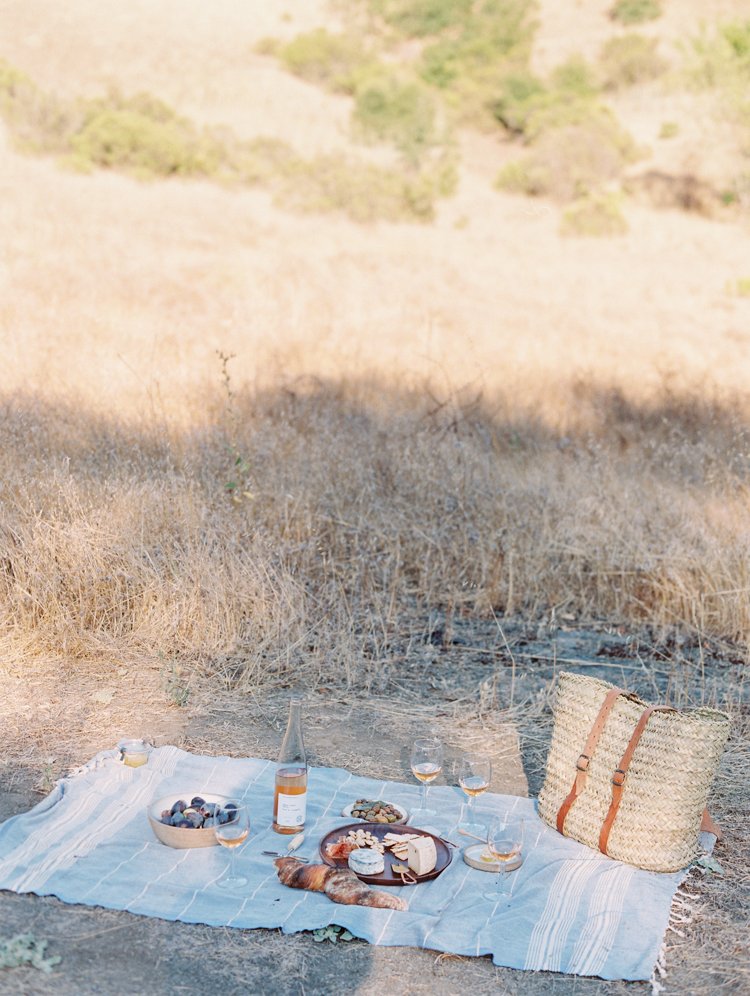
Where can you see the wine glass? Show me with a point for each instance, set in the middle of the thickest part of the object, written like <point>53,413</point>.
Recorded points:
<point>474,778</point>
<point>426,765</point>
<point>231,831</point>
<point>505,840</point>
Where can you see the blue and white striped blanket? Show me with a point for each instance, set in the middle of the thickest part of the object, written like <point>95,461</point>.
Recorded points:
<point>572,910</point>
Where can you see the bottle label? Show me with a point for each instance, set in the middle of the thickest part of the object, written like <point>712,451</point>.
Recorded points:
<point>291,810</point>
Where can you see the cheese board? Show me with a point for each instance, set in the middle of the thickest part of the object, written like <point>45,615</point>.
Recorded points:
<point>379,830</point>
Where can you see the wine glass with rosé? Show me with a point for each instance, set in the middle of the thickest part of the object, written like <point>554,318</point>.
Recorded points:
<point>231,831</point>
<point>426,765</point>
<point>474,778</point>
<point>504,840</point>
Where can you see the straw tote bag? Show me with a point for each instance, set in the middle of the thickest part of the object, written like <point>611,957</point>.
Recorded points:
<point>629,779</point>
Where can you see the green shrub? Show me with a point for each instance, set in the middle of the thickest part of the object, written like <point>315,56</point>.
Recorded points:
<point>402,112</point>
<point>514,177</point>
<point>132,141</point>
<point>739,288</point>
<point>363,191</point>
<point>526,106</point>
<point>719,58</point>
<point>480,48</point>
<point>326,59</point>
<point>577,77</point>
<point>596,214</point>
<point>636,11</point>
<point>468,60</point>
<point>521,94</point>
<point>738,37</point>
<point>145,137</point>
<point>37,121</point>
<point>572,159</point>
<point>419,18</point>
<point>588,115</point>
<point>629,59</point>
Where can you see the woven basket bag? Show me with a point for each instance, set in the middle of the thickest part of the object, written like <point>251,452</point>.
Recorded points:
<point>629,779</point>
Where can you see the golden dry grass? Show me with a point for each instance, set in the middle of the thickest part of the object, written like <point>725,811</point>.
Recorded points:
<point>363,507</point>
<point>475,413</point>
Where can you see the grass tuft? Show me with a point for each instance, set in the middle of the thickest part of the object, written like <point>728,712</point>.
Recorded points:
<point>595,215</point>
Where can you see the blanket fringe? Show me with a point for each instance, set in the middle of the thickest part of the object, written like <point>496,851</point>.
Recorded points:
<point>681,912</point>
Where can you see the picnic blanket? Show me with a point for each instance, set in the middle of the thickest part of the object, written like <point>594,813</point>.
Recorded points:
<point>572,910</point>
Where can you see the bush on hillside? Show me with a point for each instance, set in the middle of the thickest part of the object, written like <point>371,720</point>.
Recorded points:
<point>597,214</point>
<point>573,158</point>
<point>521,94</point>
<point>143,136</point>
<point>577,77</point>
<point>330,60</point>
<point>136,143</point>
<point>719,58</point>
<point>38,122</point>
<point>737,36</point>
<point>479,47</point>
<point>363,191</point>
<point>636,11</point>
<point>629,59</point>
<point>421,18</point>
<point>391,110</point>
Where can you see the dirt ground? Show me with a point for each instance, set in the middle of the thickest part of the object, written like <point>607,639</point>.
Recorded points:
<point>458,684</point>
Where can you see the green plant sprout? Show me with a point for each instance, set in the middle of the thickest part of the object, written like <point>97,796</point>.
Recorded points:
<point>707,864</point>
<point>332,933</point>
<point>24,949</point>
<point>173,683</point>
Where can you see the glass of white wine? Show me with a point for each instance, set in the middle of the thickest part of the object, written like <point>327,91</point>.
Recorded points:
<point>426,765</point>
<point>504,840</point>
<point>231,832</point>
<point>474,778</point>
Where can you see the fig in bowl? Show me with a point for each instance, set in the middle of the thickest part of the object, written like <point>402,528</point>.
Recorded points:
<point>188,819</point>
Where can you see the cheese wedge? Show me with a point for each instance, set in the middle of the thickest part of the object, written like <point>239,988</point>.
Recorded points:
<point>421,855</point>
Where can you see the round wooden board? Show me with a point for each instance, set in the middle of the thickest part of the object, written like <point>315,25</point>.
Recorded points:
<point>379,830</point>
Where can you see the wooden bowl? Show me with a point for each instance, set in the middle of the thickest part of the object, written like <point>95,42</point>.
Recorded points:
<point>182,837</point>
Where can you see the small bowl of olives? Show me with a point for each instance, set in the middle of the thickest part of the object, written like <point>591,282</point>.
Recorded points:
<point>376,811</point>
<point>188,820</point>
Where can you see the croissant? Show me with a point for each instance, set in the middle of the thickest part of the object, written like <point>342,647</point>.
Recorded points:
<point>339,884</point>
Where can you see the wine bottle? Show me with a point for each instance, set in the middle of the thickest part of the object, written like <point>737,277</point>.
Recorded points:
<point>290,794</point>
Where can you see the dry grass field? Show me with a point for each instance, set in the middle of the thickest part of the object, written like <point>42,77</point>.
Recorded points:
<point>244,448</point>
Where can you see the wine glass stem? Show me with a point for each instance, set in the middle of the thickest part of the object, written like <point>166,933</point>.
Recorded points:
<point>231,862</point>
<point>472,800</point>
<point>424,795</point>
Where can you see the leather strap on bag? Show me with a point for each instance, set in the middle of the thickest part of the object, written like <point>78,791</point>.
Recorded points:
<point>618,779</point>
<point>585,757</point>
<point>708,824</point>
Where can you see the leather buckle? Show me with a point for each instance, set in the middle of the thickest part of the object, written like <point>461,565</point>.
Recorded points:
<point>587,759</point>
<point>619,771</point>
